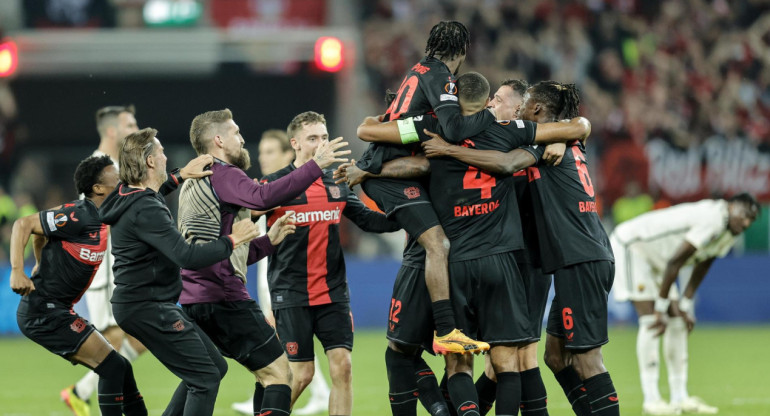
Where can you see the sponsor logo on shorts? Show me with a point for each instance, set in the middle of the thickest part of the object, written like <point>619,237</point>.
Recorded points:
<point>334,191</point>
<point>178,325</point>
<point>570,336</point>
<point>412,192</point>
<point>78,325</point>
<point>291,348</point>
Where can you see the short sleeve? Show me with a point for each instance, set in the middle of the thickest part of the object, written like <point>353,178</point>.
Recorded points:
<point>63,222</point>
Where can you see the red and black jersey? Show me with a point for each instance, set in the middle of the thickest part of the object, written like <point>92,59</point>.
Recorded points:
<point>568,225</point>
<point>478,209</point>
<point>77,241</point>
<point>427,87</point>
<point>308,267</point>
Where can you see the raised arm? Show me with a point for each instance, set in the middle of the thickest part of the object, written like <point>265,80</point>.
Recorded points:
<point>401,168</point>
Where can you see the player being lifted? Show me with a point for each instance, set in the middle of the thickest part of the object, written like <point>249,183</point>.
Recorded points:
<point>574,247</point>
<point>70,243</point>
<point>429,86</point>
<point>474,207</point>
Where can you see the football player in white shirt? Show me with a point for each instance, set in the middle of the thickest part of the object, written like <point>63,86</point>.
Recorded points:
<point>275,152</point>
<point>113,124</point>
<point>649,252</point>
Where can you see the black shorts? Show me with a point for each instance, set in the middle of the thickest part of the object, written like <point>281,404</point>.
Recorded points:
<point>391,195</point>
<point>579,309</point>
<point>52,325</point>
<point>410,319</point>
<point>489,299</point>
<point>332,323</point>
<point>239,330</point>
<point>537,286</point>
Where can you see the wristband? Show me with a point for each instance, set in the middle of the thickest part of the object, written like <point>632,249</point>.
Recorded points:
<point>661,305</point>
<point>407,131</point>
<point>686,305</point>
<point>176,176</point>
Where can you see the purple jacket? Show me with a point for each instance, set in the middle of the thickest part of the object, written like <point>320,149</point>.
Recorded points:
<point>208,208</point>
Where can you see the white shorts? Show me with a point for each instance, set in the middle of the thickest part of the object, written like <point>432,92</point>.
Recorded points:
<point>99,294</point>
<point>635,280</point>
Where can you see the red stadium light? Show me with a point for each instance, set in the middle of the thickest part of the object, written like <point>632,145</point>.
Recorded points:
<point>328,54</point>
<point>9,58</point>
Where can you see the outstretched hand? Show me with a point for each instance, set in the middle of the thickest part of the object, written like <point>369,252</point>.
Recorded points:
<point>328,153</point>
<point>196,168</point>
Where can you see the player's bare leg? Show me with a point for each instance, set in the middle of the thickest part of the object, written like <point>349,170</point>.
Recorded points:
<point>448,338</point>
<point>301,375</point>
<point>341,373</point>
<point>275,379</point>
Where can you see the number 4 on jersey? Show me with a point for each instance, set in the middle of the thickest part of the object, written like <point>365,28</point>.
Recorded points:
<point>476,178</point>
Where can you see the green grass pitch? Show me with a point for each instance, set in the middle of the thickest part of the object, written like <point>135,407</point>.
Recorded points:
<point>728,367</point>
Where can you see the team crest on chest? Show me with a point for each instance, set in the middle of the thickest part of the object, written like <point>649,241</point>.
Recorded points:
<point>335,191</point>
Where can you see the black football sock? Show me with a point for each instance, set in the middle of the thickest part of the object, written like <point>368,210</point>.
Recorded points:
<point>276,401</point>
<point>402,386</point>
<point>508,393</point>
<point>259,396</point>
<point>533,396</point>
<point>570,382</point>
<point>133,402</point>
<point>111,373</point>
<point>443,316</point>
<point>486,388</point>
<point>463,394</point>
<point>602,395</point>
<point>445,392</point>
<point>430,395</point>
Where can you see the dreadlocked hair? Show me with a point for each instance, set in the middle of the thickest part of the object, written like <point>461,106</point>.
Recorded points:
<point>561,100</point>
<point>448,39</point>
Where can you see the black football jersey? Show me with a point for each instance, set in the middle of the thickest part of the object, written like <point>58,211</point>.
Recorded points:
<point>308,267</point>
<point>77,241</point>
<point>427,87</point>
<point>478,209</point>
<point>568,225</point>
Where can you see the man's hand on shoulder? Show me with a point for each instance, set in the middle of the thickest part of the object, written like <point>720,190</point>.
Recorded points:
<point>196,168</point>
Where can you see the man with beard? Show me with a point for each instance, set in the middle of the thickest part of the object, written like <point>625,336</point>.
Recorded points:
<point>216,296</point>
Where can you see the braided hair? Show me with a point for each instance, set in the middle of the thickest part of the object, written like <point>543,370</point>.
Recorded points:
<point>448,39</point>
<point>561,100</point>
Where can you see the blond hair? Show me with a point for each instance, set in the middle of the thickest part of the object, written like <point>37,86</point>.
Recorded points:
<point>134,151</point>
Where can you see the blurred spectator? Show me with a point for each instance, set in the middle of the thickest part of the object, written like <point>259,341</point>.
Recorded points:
<point>633,203</point>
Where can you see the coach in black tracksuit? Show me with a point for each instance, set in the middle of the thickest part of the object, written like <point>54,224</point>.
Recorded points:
<point>148,253</point>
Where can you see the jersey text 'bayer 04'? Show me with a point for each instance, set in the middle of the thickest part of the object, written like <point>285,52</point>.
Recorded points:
<point>568,225</point>
<point>478,209</point>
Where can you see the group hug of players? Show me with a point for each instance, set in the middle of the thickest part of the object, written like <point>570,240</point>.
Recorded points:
<point>493,200</point>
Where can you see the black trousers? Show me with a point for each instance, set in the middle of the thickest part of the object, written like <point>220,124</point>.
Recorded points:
<point>182,347</point>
